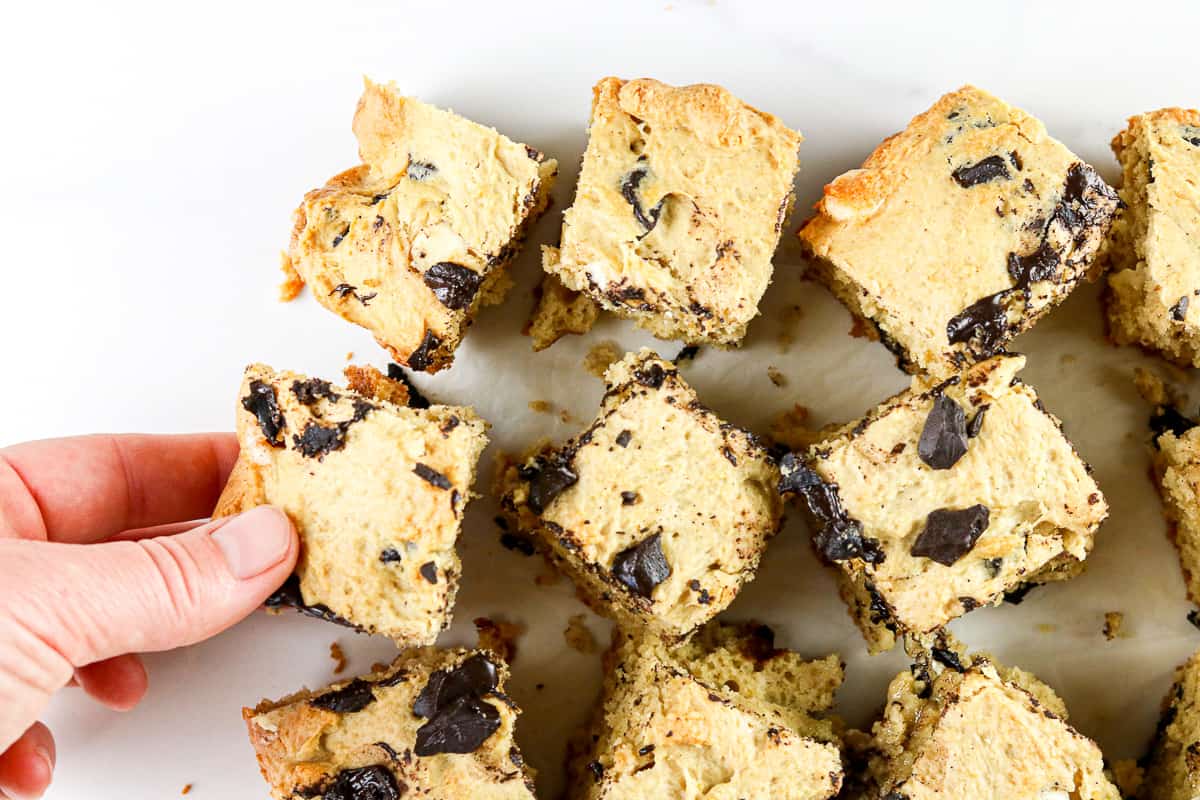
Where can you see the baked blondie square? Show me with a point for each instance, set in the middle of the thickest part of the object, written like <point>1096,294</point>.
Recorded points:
<point>945,498</point>
<point>1173,765</point>
<point>375,490</point>
<point>659,511</point>
<point>725,715</point>
<point>960,231</point>
<point>435,724</point>
<point>681,200</point>
<point>985,732</point>
<point>1155,245</point>
<point>413,241</point>
<point>1177,475</point>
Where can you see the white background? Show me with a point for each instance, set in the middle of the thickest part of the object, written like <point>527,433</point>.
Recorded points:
<point>152,155</point>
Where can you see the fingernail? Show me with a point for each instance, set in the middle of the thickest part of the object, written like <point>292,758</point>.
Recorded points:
<point>254,541</point>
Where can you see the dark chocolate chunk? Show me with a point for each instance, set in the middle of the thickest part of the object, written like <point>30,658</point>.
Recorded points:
<point>642,567</point>
<point>1193,616</point>
<point>652,375</point>
<point>365,783</point>
<point>536,155</point>
<point>375,201</point>
<point>1194,140</point>
<point>629,498</point>
<point>985,322</point>
<point>453,285</point>
<point>950,534</point>
<point>1169,418</point>
<point>475,675</point>
<point>289,596</point>
<point>343,289</point>
<point>548,478</point>
<point>993,566</point>
<point>729,456</point>
<point>623,438</point>
<point>597,769</point>
<point>947,657</point>
<point>311,390</point>
<point>703,597</point>
<point>1179,310</point>
<point>1017,596</point>
<point>319,440</point>
<point>390,555</point>
<point>1015,158</point>
<point>629,190</point>
<point>422,357</point>
<point>429,571</point>
<point>432,476</point>
<point>989,169</point>
<point>263,403</point>
<point>419,170</point>
<point>415,398</point>
<point>459,719</point>
<point>687,353</point>
<point>389,750</point>
<point>517,542</point>
<point>338,239</point>
<point>645,750</point>
<point>944,438</point>
<point>840,537</point>
<point>1040,265</point>
<point>976,423</point>
<point>354,696</point>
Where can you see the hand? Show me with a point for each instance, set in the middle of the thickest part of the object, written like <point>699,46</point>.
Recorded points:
<point>97,563</point>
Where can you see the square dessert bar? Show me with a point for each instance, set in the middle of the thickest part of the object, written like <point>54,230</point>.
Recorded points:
<point>983,732</point>
<point>659,511</point>
<point>726,715</point>
<point>959,232</point>
<point>413,241</point>
<point>945,498</point>
<point>1173,765</point>
<point>1155,244</point>
<point>1177,475</point>
<point>435,724</point>
<point>376,492</point>
<point>681,200</point>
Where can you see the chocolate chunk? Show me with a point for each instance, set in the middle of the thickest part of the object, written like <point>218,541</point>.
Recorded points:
<point>597,769</point>
<point>729,456</point>
<point>548,478</point>
<point>338,239</point>
<point>993,566</point>
<point>629,190</point>
<point>642,567</point>
<point>311,390</point>
<point>318,440</point>
<point>687,353</point>
<point>419,170</point>
<point>623,438</point>
<point>453,285</point>
<point>1179,310</point>
<point>1040,265</point>
<point>432,476</point>
<point>390,555</point>
<point>422,357</point>
<point>429,571</point>
<point>376,200</point>
<point>263,403</point>
<point>1194,140</point>
<point>629,498</point>
<point>703,597</point>
<point>517,542</point>
<point>415,398</point>
<point>354,696</point>
<point>342,290</point>
<point>976,423</point>
<point>536,155</point>
<point>388,750</point>
<point>459,719</point>
<point>985,322</point>
<point>944,438</point>
<point>1080,207</point>
<point>476,675</point>
<point>840,537</point>
<point>1169,418</point>
<point>1193,616</point>
<point>289,596</point>
<point>1017,596</point>
<point>652,375</point>
<point>989,169</point>
<point>950,534</point>
<point>365,783</point>
<point>1015,158</point>
<point>947,657</point>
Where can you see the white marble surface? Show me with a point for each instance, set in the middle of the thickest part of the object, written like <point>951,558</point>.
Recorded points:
<point>152,155</point>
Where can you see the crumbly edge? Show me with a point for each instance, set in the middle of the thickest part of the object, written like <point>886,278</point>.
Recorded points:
<point>1177,496</point>
<point>558,311</point>
<point>1172,765</point>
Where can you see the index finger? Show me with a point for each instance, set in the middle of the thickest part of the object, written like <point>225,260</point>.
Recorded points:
<point>87,488</point>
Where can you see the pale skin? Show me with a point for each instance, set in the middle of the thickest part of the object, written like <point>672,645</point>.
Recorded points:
<point>105,553</point>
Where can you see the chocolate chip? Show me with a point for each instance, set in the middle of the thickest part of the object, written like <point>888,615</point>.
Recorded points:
<point>431,476</point>
<point>536,155</point>
<point>263,403</point>
<point>687,353</point>
<point>642,567</point>
<point>1195,140</point>
<point>389,750</point>
<point>985,322</point>
<point>319,440</point>
<point>976,423</point>
<point>629,190</point>
<point>429,571</point>
<point>623,438</point>
<point>1179,310</point>
<point>989,169</point>
<point>1015,158</point>
<point>354,696</point>
<point>475,675</point>
<point>459,720</point>
<point>378,199</point>
<point>597,769</point>
<point>1040,265</point>
<point>950,534</point>
<point>703,597</point>
<point>651,375</point>
<point>415,398</point>
<point>548,478</point>
<point>517,542</point>
<point>1169,418</point>
<point>840,537</point>
<point>390,555</point>
<point>993,566</point>
<point>1017,596</point>
<point>289,596</point>
<point>342,290</point>
<point>629,498</point>
<point>944,438</point>
<point>453,285</point>
<point>311,390</point>
<point>338,239</point>
<point>645,750</point>
<point>422,357</point>
<point>364,783</point>
<point>729,456</point>
<point>1193,616</point>
<point>419,170</point>
<point>947,657</point>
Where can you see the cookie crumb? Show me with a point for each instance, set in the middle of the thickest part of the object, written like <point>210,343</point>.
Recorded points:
<point>292,284</point>
<point>788,320</point>
<point>600,357</point>
<point>370,382</point>
<point>349,355</point>
<point>1150,387</point>
<point>1045,627</point>
<point>579,637</point>
<point>861,329</point>
<point>791,430</point>
<point>558,311</point>
<point>499,636</point>
<point>541,406</point>
<point>1113,622</point>
<point>1128,776</point>
<point>565,417</point>
<point>187,788</point>
<point>777,377</point>
<point>339,658</point>
<point>1067,359</point>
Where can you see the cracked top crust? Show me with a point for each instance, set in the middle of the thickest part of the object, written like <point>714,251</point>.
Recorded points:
<point>376,492</point>
<point>410,243</point>
<point>678,209</point>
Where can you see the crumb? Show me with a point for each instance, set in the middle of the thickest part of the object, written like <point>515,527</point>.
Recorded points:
<point>791,429</point>
<point>565,417</point>
<point>349,355</point>
<point>499,636</point>
<point>1150,387</point>
<point>1045,627</point>
<point>861,329</point>
<point>777,377</point>
<point>1067,358</point>
<point>339,658</point>
<point>1128,776</point>
<point>187,787</point>
<point>1113,622</point>
<point>289,290</point>
<point>541,406</point>
<point>578,636</point>
<point>788,320</point>
<point>600,357</point>
<point>540,686</point>
<point>370,382</point>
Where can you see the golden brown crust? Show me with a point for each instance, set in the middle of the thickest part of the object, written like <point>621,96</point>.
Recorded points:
<point>1138,122</point>
<point>243,490</point>
<point>370,382</point>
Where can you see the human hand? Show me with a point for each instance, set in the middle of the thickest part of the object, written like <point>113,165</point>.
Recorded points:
<point>97,563</point>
